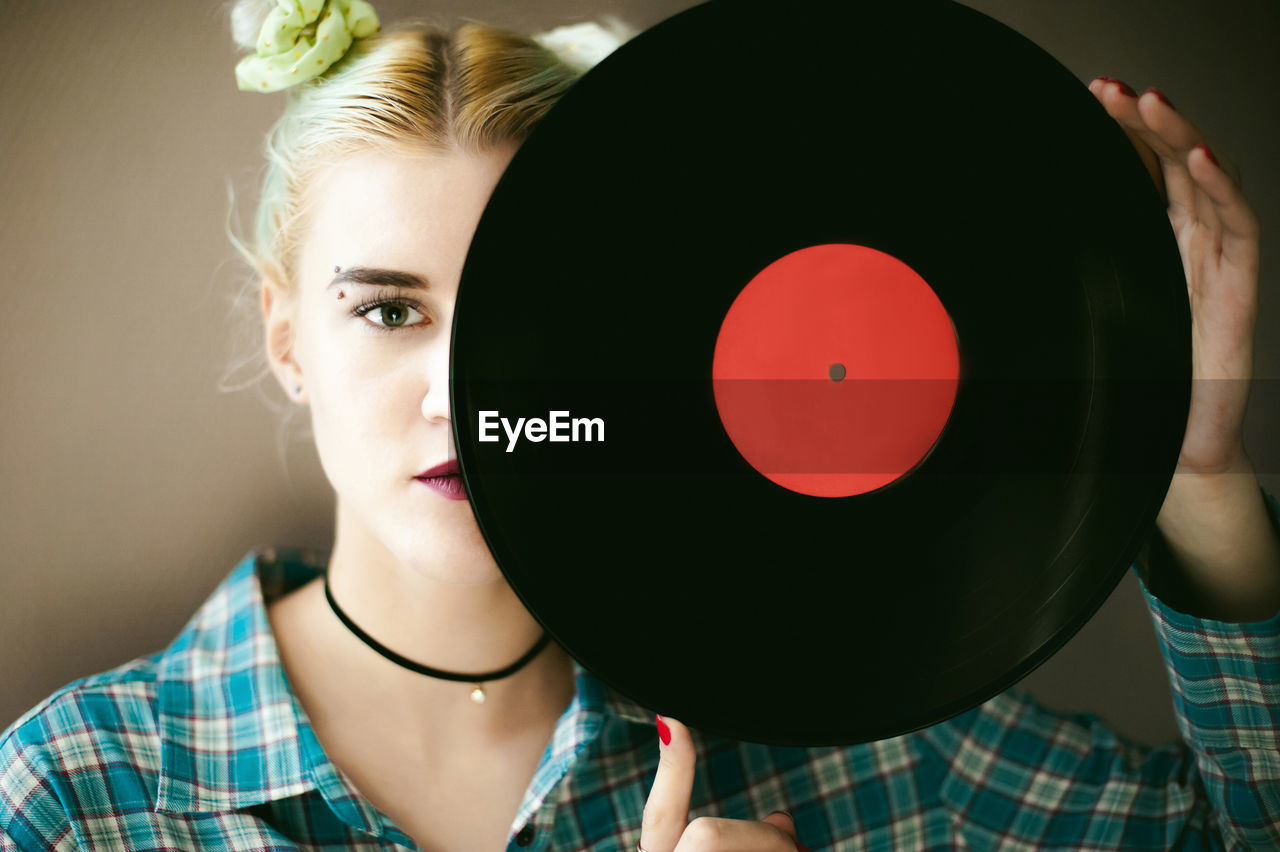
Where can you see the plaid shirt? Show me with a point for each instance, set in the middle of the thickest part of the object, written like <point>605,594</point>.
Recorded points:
<point>204,746</point>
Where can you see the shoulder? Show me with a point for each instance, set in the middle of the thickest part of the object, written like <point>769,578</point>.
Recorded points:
<point>139,756</point>
<point>87,748</point>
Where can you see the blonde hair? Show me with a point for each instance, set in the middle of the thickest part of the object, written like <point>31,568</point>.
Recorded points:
<point>415,86</point>
<point>470,90</point>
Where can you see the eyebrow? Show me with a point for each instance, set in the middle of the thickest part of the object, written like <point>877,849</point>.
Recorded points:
<point>379,278</point>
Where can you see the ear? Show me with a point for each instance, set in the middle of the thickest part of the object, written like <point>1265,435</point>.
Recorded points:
<point>278,319</point>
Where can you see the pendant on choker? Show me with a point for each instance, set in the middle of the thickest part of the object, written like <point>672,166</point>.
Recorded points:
<point>477,694</point>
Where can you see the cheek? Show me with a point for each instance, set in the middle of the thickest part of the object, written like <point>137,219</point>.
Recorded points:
<point>362,401</point>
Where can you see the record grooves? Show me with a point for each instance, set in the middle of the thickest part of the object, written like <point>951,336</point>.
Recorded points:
<point>600,279</point>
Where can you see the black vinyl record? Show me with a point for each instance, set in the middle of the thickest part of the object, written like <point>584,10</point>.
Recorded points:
<point>597,299</point>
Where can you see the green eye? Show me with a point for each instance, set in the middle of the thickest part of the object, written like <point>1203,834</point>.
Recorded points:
<point>393,315</point>
<point>390,314</point>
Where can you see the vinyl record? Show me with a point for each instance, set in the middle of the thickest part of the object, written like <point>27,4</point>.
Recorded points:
<point>819,369</point>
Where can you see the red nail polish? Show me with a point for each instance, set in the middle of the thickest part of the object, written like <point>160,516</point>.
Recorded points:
<point>801,847</point>
<point>1205,150</point>
<point>1123,87</point>
<point>1159,94</point>
<point>664,733</point>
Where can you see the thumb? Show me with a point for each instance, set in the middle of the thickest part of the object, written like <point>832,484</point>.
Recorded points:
<point>786,823</point>
<point>782,820</point>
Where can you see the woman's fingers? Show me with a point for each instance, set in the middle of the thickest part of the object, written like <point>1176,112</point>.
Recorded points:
<point>666,812</point>
<point>665,826</point>
<point>712,834</point>
<point>1239,224</point>
<point>1172,134</point>
<point>1184,138</point>
<point>783,821</point>
<point>1124,108</point>
<point>1151,160</point>
<point>1202,186</point>
<point>786,824</point>
<point>1174,128</point>
<point>1154,119</point>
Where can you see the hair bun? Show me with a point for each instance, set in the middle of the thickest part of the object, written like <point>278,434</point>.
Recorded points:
<point>247,18</point>
<point>581,46</point>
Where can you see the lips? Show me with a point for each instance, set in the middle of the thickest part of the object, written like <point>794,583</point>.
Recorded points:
<point>444,480</point>
<point>449,468</point>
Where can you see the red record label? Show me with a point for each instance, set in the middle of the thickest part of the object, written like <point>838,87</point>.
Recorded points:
<point>835,370</point>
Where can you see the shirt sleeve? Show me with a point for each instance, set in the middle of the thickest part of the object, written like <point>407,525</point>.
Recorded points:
<point>1225,679</point>
<point>1014,771</point>
<point>32,816</point>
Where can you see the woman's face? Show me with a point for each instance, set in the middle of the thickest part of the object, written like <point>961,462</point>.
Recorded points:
<point>378,270</point>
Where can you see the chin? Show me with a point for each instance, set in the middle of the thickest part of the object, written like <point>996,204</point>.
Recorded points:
<point>450,553</point>
<point>456,573</point>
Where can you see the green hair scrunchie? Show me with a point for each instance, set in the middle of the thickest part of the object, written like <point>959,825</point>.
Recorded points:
<point>285,57</point>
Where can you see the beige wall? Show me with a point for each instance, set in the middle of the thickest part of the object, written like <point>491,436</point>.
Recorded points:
<point>131,484</point>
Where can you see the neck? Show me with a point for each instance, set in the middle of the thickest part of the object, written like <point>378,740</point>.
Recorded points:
<point>450,610</point>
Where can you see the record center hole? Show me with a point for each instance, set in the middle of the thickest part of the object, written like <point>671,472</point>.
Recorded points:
<point>836,372</point>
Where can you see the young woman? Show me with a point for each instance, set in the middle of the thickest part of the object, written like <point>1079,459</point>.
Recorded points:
<point>330,703</point>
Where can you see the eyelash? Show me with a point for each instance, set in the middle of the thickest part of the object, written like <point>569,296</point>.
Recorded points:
<point>387,300</point>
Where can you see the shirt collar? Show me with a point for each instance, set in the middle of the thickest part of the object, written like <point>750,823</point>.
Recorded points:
<point>233,734</point>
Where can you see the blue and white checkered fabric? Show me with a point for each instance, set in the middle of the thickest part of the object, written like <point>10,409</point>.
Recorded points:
<point>204,746</point>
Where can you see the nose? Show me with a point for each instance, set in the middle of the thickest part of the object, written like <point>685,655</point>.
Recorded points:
<point>435,402</point>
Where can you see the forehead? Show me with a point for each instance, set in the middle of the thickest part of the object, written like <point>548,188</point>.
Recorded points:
<point>398,208</point>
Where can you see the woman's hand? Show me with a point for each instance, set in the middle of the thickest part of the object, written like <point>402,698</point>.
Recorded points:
<point>1217,235</point>
<point>666,826</point>
<point>1214,522</point>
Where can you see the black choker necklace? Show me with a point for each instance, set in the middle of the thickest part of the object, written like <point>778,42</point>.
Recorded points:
<point>477,694</point>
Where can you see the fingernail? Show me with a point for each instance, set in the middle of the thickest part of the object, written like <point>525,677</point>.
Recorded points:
<point>784,811</point>
<point>1208,153</point>
<point>1159,94</point>
<point>801,847</point>
<point>1123,87</point>
<point>664,733</point>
